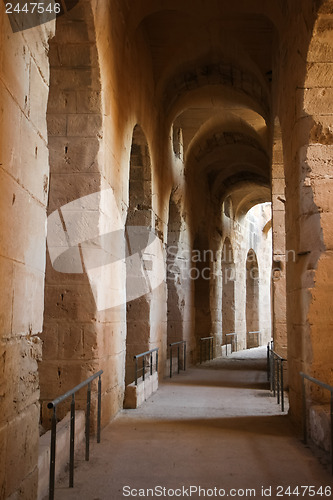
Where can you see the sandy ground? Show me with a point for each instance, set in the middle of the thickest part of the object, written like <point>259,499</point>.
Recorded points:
<point>215,426</point>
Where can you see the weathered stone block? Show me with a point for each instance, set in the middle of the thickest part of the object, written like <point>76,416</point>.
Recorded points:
<point>28,304</point>
<point>25,236</point>
<point>89,101</point>
<point>318,74</point>
<point>66,188</point>
<point>6,299</point>
<point>323,198</point>
<point>10,118</point>
<point>311,101</point>
<point>3,447</point>
<point>16,65</point>
<point>65,303</point>
<point>111,337</point>
<point>135,395</point>
<point>84,125</point>
<point>76,78</point>
<point>57,125</point>
<point>23,455</point>
<point>61,101</point>
<point>34,158</point>
<point>50,340</point>
<point>319,423</point>
<point>77,54</point>
<point>38,96</point>
<point>326,220</point>
<point>74,31</point>
<point>278,186</point>
<point>77,342</point>
<point>69,155</point>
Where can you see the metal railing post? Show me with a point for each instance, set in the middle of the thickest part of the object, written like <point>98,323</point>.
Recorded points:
<point>305,437</point>
<point>178,355</point>
<point>278,380</point>
<point>150,364</point>
<point>71,446</point>
<point>206,347</point>
<point>178,358</point>
<point>99,409</point>
<point>53,453</point>
<point>275,375</point>
<point>304,412</point>
<point>53,405</point>
<point>233,342</point>
<point>88,421</point>
<point>282,387</point>
<point>331,409</point>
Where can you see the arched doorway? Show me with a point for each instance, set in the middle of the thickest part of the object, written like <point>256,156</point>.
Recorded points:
<point>228,293</point>
<point>138,224</point>
<point>174,274</point>
<point>252,300</point>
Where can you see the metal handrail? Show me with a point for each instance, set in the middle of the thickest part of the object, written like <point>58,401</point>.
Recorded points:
<point>328,388</point>
<point>276,375</point>
<point>178,344</point>
<point>235,337</point>
<point>270,346</point>
<point>144,366</point>
<point>258,332</point>
<point>210,345</point>
<point>53,405</point>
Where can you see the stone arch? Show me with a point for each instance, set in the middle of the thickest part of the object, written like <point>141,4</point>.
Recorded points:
<point>200,274</point>
<point>177,142</point>
<point>308,151</point>
<point>228,290</point>
<point>227,208</point>
<point>73,325</point>
<point>138,224</point>
<point>174,273</point>
<point>252,299</point>
<point>317,183</point>
<point>278,289</point>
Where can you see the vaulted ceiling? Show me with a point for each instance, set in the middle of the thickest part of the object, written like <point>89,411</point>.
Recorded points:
<point>212,66</point>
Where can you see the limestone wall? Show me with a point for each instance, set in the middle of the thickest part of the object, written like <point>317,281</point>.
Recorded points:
<point>220,139</point>
<point>92,111</point>
<point>304,80</point>
<point>243,235</point>
<point>24,172</point>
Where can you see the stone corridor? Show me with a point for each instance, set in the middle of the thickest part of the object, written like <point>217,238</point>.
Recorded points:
<point>166,175</point>
<point>216,425</point>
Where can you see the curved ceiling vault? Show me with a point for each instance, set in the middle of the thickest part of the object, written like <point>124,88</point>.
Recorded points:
<point>212,74</point>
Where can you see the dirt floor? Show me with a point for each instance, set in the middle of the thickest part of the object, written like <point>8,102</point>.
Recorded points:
<point>214,427</point>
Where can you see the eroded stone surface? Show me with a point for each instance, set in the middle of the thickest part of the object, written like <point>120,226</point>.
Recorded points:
<point>188,122</point>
